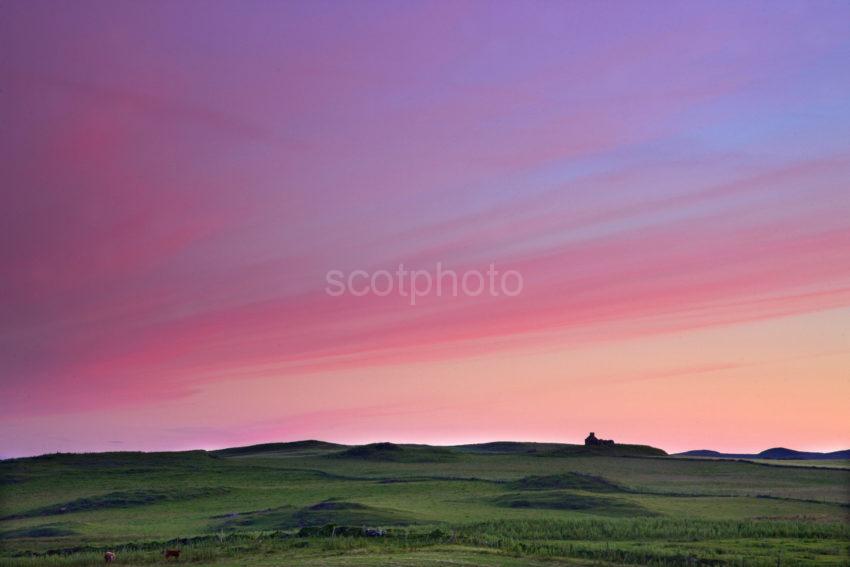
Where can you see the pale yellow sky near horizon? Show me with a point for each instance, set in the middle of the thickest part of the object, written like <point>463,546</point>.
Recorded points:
<point>790,376</point>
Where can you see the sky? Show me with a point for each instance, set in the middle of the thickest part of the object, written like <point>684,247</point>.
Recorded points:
<point>670,180</point>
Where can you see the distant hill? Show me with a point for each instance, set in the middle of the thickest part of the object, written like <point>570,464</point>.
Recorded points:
<point>310,445</point>
<point>410,453</point>
<point>562,449</point>
<point>397,453</point>
<point>617,450</point>
<point>777,453</point>
<point>507,447</point>
<point>407,453</point>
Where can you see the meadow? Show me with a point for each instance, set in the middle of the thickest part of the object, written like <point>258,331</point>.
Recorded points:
<point>500,504</point>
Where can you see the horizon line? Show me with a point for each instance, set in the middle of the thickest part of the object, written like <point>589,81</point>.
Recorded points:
<point>209,449</point>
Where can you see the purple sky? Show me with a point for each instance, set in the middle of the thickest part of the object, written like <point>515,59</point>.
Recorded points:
<point>670,179</point>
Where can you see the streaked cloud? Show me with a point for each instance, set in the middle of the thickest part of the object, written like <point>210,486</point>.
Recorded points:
<point>176,193</point>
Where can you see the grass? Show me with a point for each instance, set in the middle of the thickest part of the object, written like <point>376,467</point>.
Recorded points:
<point>560,500</point>
<point>336,512</point>
<point>493,504</point>
<point>121,499</point>
<point>571,480</point>
<point>296,447</point>
<point>398,453</point>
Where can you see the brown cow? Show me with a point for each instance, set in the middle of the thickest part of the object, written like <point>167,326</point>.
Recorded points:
<point>175,553</point>
<point>109,556</point>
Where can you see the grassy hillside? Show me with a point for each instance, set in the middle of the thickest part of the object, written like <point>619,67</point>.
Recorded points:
<point>398,453</point>
<point>617,450</point>
<point>271,449</point>
<point>314,503</point>
<point>561,449</point>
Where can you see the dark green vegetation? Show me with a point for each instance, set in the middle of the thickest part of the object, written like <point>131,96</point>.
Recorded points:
<point>122,499</point>
<point>511,504</point>
<point>597,505</point>
<point>777,453</point>
<point>295,447</point>
<point>398,453</point>
<point>562,450</point>
<point>571,480</point>
<point>333,511</point>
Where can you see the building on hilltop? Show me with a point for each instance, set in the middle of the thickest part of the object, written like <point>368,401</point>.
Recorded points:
<point>592,440</point>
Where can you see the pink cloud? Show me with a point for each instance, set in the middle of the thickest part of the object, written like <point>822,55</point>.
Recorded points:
<point>177,193</point>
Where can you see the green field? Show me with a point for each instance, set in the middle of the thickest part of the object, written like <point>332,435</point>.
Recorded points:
<point>507,504</point>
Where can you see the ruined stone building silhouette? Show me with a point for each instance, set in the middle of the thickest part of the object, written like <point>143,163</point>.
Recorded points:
<point>592,440</point>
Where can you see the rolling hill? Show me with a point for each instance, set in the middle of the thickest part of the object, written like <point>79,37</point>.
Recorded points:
<point>314,503</point>
<point>308,446</point>
<point>777,453</point>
